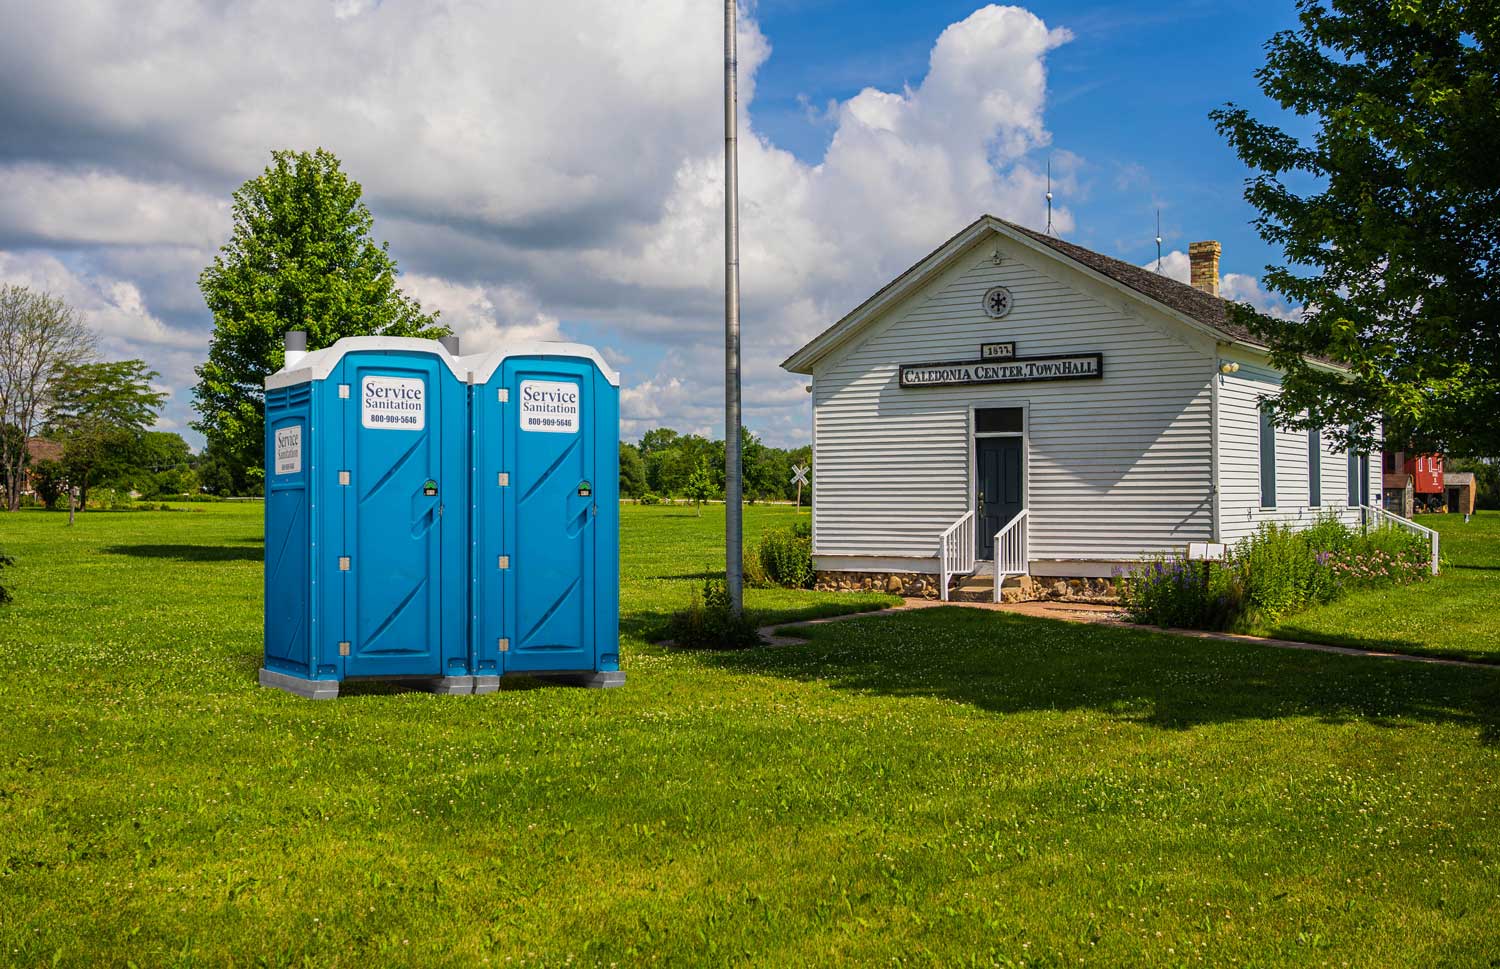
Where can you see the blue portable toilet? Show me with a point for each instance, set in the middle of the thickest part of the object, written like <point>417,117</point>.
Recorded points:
<point>366,552</point>
<point>545,518</point>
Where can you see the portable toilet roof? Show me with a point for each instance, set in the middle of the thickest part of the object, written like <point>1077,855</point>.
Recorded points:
<point>484,365</point>
<point>318,364</point>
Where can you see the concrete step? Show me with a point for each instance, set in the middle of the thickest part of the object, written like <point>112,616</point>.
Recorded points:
<point>981,588</point>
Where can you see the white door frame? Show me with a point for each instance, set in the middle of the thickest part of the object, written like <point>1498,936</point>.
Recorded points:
<point>972,477</point>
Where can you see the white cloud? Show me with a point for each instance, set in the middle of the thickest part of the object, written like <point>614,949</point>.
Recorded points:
<point>47,206</point>
<point>1239,287</point>
<point>123,325</point>
<point>537,167</point>
<point>484,316</point>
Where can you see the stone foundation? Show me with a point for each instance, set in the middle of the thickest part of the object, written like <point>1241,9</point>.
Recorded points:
<point>921,585</point>
<point>911,585</point>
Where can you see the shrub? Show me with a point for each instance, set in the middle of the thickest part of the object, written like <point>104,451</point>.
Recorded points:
<point>1278,573</point>
<point>648,498</point>
<point>1169,590</point>
<point>785,556</point>
<point>709,623</point>
<point>1270,575</point>
<point>5,562</point>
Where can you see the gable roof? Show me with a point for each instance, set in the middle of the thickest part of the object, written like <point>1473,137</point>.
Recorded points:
<point>1191,306</point>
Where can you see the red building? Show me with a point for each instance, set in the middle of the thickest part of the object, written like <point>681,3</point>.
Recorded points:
<point>1426,472</point>
<point>1413,483</point>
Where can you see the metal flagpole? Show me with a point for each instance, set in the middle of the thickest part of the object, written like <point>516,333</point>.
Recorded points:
<point>733,565</point>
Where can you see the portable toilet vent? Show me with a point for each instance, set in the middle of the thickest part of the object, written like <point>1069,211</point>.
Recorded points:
<point>366,489</point>
<point>441,519</point>
<point>546,515</point>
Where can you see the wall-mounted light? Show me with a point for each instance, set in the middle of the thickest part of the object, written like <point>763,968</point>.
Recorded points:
<point>808,388</point>
<point>1229,368</point>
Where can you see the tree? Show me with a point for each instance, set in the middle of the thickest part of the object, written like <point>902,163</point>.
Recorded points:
<point>1387,218</point>
<point>159,464</point>
<point>50,480</point>
<point>700,486</point>
<point>632,471</point>
<point>300,256</point>
<point>215,475</point>
<point>100,412</point>
<point>39,336</point>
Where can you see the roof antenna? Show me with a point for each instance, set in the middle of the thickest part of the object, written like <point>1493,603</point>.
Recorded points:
<point>1049,198</point>
<point>1158,242</point>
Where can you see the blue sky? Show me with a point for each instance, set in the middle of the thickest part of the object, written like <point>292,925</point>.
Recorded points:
<point>1130,94</point>
<point>553,171</point>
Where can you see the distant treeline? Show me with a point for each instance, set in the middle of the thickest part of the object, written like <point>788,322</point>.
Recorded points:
<point>664,463</point>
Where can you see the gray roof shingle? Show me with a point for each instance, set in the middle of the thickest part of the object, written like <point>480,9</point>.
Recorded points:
<point>1211,311</point>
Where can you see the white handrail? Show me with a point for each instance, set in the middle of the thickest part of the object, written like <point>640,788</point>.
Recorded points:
<point>956,550</point>
<point>1012,549</point>
<point>1382,518</point>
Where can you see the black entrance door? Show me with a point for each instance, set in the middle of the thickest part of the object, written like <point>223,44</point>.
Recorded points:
<point>998,460</point>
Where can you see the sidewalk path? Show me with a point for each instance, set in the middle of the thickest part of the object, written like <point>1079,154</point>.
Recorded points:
<point>1108,615</point>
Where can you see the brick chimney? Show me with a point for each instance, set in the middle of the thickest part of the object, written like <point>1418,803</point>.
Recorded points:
<point>1203,257</point>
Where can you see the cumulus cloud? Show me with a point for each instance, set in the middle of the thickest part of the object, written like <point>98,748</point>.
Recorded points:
<point>123,324</point>
<point>1239,287</point>
<point>541,171</point>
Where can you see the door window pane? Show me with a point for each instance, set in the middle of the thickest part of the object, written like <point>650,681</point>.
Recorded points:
<point>997,420</point>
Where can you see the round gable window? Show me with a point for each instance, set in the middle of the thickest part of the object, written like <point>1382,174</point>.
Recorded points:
<point>997,302</point>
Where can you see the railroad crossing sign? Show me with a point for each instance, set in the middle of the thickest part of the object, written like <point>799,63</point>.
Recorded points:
<point>799,478</point>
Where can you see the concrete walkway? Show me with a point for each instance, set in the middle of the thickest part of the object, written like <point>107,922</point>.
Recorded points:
<point>1107,615</point>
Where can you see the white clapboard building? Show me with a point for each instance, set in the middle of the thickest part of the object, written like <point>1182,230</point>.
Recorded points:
<point>1019,404</point>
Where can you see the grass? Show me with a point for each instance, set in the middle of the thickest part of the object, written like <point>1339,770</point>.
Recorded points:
<point>944,787</point>
<point>1455,614</point>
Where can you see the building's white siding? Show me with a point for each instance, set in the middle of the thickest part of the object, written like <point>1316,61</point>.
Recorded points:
<point>1115,467</point>
<point>1240,507</point>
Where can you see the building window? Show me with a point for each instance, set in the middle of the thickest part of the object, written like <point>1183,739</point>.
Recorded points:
<point>1267,459</point>
<point>1314,468</point>
<point>1390,462</point>
<point>1364,479</point>
<point>997,420</point>
<point>1354,490</point>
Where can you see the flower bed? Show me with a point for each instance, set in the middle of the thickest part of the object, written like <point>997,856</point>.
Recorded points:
<point>1270,575</point>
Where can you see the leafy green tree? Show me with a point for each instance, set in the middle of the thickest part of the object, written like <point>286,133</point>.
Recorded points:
<point>700,486</point>
<point>100,412</point>
<point>300,256</point>
<point>39,336</point>
<point>215,478</point>
<point>1386,216</point>
<point>50,480</point>
<point>632,471</point>
<point>657,440</point>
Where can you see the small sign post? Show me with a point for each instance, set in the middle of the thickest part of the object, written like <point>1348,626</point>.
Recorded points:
<point>1207,552</point>
<point>799,478</point>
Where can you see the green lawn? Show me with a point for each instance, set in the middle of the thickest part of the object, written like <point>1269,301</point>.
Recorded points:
<point>1456,613</point>
<point>946,787</point>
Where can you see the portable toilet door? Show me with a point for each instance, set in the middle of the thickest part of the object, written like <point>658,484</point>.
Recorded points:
<point>389,487</point>
<point>546,514</point>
